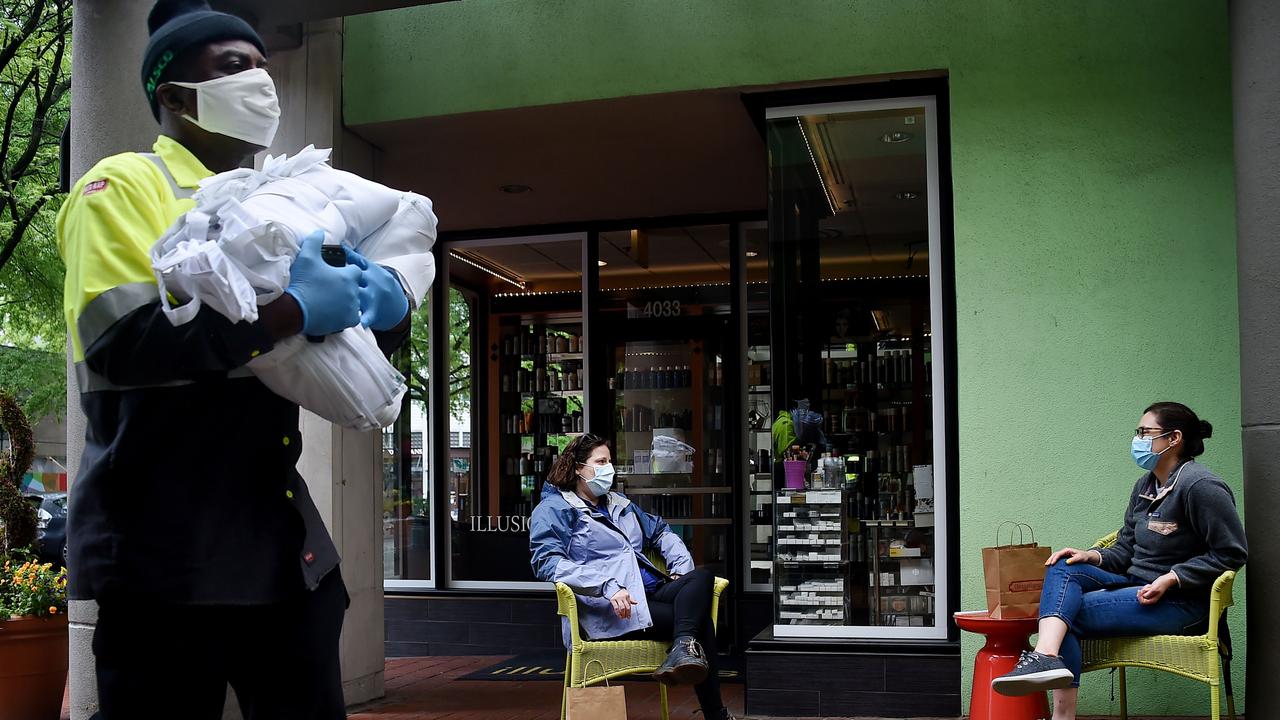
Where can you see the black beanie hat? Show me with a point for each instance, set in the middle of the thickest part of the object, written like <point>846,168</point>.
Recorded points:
<point>176,25</point>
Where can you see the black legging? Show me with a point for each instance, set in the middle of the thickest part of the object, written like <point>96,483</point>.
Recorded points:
<point>683,607</point>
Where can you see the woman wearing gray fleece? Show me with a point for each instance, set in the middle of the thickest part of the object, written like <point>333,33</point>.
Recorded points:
<point>1181,531</point>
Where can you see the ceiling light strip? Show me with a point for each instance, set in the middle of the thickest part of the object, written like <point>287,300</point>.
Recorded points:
<point>699,285</point>
<point>475,264</point>
<point>821,179</point>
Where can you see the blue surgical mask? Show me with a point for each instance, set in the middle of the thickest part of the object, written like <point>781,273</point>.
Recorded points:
<point>1143,455</point>
<point>603,480</point>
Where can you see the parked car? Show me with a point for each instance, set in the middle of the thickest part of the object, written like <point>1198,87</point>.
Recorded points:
<point>51,533</point>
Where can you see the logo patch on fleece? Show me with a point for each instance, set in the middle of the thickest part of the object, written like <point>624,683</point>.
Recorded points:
<point>95,186</point>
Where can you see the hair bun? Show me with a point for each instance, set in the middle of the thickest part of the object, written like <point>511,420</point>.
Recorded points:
<point>1206,429</point>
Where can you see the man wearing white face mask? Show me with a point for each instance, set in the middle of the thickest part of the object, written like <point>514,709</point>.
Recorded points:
<point>189,523</point>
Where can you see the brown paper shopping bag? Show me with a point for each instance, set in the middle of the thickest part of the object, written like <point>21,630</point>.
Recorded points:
<point>1015,575</point>
<point>596,703</point>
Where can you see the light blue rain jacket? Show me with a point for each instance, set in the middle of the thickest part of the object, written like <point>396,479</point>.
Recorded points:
<point>568,545</point>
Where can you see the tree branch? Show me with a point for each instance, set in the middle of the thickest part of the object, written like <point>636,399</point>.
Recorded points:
<point>20,229</point>
<point>40,117</point>
<point>11,49</point>
<point>6,141</point>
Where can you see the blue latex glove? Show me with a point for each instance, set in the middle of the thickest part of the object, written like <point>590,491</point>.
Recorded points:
<point>329,296</point>
<point>383,303</point>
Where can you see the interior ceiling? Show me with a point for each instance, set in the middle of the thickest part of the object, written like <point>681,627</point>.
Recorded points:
<point>865,179</point>
<point>646,156</point>
<point>535,261</point>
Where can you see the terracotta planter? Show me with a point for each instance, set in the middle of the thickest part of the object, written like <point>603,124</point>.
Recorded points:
<point>33,667</point>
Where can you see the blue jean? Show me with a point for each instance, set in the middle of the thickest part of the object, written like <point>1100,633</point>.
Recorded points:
<point>1095,603</point>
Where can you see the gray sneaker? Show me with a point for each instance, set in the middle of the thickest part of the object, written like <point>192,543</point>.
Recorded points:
<point>1033,673</point>
<point>686,664</point>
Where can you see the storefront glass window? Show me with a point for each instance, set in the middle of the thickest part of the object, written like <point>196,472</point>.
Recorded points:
<point>406,516</point>
<point>858,548</point>
<point>664,304</point>
<point>517,393</point>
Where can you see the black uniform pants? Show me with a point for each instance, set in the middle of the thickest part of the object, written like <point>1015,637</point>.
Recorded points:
<point>176,661</point>
<point>682,607</point>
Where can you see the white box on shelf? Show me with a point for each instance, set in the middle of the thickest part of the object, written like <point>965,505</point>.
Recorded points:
<point>916,572</point>
<point>904,552</point>
<point>764,441</point>
<point>923,478</point>
<point>640,458</point>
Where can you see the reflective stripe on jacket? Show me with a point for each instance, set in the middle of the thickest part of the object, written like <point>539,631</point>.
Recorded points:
<point>569,546</point>
<point>188,490</point>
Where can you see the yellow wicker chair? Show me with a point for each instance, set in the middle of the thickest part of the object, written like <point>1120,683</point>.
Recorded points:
<point>1191,656</point>
<point>610,659</point>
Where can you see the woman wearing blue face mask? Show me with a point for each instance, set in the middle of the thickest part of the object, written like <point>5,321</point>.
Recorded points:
<point>595,541</point>
<point>1180,532</point>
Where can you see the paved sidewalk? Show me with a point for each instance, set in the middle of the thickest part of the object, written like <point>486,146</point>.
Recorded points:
<point>428,689</point>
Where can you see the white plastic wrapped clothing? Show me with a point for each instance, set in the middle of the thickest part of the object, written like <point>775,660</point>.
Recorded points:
<point>232,252</point>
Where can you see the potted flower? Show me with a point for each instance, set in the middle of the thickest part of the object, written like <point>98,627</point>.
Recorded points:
<point>33,597</point>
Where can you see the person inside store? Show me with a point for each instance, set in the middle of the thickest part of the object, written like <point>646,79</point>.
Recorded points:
<point>189,524</point>
<point>595,541</point>
<point>1180,532</point>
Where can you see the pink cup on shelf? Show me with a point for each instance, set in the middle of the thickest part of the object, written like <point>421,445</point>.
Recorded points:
<point>794,471</point>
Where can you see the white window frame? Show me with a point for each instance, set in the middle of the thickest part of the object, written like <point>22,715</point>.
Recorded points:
<point>443,276</point>
<point>428,482</point>
<point>941,432</point>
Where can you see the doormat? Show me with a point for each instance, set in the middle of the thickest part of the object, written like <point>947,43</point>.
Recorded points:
<point>550,666</point>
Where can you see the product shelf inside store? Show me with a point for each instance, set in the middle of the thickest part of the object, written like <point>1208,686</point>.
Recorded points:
<point>547,434</point>
<point>715,489</point>
<point>888,523</point>
<point>699,521</point>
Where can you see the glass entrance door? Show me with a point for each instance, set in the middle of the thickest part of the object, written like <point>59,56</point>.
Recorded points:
<point>663,320</point>
<point>666,392</point>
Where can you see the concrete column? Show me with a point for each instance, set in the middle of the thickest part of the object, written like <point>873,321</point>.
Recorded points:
<point>109,115</point>
<point>343,468</point>
<point>1255,86</point>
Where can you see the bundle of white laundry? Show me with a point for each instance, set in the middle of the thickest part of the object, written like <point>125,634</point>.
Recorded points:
<point>232,252</point>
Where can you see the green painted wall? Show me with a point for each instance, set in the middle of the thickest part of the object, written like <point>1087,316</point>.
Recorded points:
<point>1094,207</point>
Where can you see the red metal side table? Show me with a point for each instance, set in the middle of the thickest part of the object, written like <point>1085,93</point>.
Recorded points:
<point>1006,639</point>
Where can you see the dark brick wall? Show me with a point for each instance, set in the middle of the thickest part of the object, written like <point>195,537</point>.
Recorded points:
<point>422,626</point>
<point>755,615</point>
<point>842,684</point>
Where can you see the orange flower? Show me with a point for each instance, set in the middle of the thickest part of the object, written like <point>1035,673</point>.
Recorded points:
<point>53,610</point>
